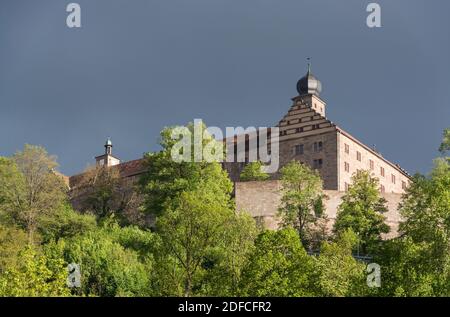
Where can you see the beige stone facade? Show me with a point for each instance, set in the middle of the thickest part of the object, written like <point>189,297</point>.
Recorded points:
<point>354,156</point>
<point>262,199</point>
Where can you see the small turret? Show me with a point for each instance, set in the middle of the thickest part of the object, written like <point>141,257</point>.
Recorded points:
<point>107,159</point>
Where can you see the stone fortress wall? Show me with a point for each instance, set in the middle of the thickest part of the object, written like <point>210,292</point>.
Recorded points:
<point>261,200</point>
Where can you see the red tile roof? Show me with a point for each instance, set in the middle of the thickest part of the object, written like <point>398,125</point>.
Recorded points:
<point>126,169</point>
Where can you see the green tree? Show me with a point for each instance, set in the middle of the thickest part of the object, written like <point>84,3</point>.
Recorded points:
<point>426,206</point>
<point>12,241</point>
<point>166,178</point>
<point>278,266</point>
<point>253,172</point>
<point>301,202</point>
<point>419,262</point>
<point>196,223</point>
<point>30,188</point>
<point>337,272</point>
<point>36,275</point>
<point>191,230</point>
<point>445,145</point>
<point>65,223</point>
<point>102,191</point>
<point>11,183</point>
<point>224,263</point>
<point>107,267</point>
<point>408,270</point>
<point>362,210</point>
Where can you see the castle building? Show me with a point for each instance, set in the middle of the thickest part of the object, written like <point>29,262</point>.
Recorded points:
<point>307,135</point>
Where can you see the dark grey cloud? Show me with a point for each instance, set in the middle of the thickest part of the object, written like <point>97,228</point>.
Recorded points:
<point>136,66</point>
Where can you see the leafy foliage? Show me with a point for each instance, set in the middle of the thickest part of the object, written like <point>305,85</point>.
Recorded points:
<point>301,202</point>
<point>417,263</point>
<point>65,223</point>
<point>35,275</point>
<point>12,241</point>
<point>107,267</point>
<point>362,210</point>
<point>30,188</point>
<point>193,203</point>
<point>338,272</point>
<point>101,191</point>
<point>253,172</point>
<point>278,266</point>
<point>166,179</point>
<point>445,145</point>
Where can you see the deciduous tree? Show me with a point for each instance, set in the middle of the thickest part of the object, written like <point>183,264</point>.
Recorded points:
<point>102,191</point>
<point>361,210</point>
<point>301,202</point>
<point>278,266</point>
<point>31,188</point>
<point>253,172</point>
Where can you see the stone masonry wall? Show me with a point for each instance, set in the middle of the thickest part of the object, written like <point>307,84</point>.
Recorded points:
<point>261,200</point>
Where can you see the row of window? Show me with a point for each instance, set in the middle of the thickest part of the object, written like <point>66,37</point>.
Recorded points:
<point>301,129</point>
<point>382,188</point>
<point>382,172</point>
<point>317,163</point>
<point>371,165</point>
<point>299,149</point>
<point>304,119</point>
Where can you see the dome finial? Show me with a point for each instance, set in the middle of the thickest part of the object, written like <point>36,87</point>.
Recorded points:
<point>309,64</point>
<point>308,84</point>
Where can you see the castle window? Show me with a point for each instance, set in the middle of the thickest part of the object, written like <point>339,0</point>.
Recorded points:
<point>382,171</point>
<point>403,185</point>
<point>315,126</point>
<point>358,156</point>
<point>318,146</point>
<point>318,163</point>
<point>347,148</point>
<point>298,130</point>
<point>371,165</point>
<point>298,149</point>
<point>382,189</point>
<point>346,186</point>
<point>393,178</point>
<point>346,167</point>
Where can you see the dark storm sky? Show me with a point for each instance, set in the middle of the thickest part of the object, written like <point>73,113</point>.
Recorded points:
<point>136,66</point>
